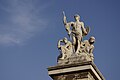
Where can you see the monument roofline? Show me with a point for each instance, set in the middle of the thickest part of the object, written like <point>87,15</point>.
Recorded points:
<point>83,66</point>
<point>76,59</point>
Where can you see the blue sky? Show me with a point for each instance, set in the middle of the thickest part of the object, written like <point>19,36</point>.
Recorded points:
<point>30,29</point>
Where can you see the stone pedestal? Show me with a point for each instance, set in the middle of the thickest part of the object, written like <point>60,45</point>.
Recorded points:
<point>77,71</point>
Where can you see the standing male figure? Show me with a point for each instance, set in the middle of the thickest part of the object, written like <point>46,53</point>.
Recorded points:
<point>76,32</point>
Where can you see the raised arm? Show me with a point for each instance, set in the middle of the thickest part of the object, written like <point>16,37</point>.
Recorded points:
<point>67,25</point>
<point>59,45</point>
<point>64,18</point>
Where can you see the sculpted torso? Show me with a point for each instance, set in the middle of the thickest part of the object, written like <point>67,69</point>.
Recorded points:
<point>77,28</point>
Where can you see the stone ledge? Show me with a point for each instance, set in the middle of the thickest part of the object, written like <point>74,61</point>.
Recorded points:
<point>83,66</point>
<point>69,65</point>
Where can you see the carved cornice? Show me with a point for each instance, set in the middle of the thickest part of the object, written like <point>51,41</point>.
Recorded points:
<point>73,76</point>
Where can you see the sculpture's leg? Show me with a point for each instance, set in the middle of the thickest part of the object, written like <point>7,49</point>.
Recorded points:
<point>78,47</point>
<point>79,39</point>
<point>63,52</point>
<point>74,43</point>
<point>74,40</point>
<point>91,56</point>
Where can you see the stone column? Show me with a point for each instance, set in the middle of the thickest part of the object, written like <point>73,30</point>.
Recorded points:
<point>77,71</point>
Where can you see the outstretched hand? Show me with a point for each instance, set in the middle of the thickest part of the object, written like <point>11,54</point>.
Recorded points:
<point>63,13</point>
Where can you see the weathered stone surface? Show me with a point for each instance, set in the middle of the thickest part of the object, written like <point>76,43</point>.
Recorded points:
<point>75,45</point>
<point>76,71</point>
<point>75,58</point>
<point>74,76</point>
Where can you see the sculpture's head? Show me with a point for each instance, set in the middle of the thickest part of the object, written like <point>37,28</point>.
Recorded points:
<point>77,17</point>
<point>92,40</point>
<point>65,39</point>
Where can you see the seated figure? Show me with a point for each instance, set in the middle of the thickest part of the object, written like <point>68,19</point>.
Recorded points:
<point>88,47</point>
<point>65,48</point>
